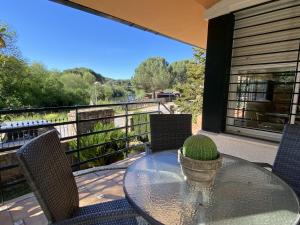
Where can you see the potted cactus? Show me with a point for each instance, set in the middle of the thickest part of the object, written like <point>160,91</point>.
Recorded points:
<point>199,158</point>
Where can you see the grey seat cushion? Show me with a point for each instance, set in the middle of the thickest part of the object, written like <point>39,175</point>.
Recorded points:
<point>115,205</point>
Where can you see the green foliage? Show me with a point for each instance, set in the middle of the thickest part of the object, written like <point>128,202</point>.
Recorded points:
<point>11,81</point>
<point>192,90</point>
<point>8,40</point>
<point>89,75</point>
<point>179,70</point>
<point>23,85</point>
<point>33,85</point>
<point>141,129</point>
<point>152,75</point>
<point>200,147</point>
<point>2,36</point>
<point>51,117</point>
<point>99,138</point>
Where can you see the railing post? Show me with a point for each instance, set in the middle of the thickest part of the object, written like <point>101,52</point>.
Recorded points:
<point>126,131</point>
<point>1,190</point>
<point>158,108</point>
<point>77,138</point>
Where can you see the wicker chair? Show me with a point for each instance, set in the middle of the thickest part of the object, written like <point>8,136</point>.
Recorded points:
<point>49,174</point>
<point>169,131</point>
<point>287,161</point>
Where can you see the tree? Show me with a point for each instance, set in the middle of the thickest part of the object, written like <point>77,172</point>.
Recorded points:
<point>178,70</point>
<point>107,91</point>
<point>76,88</point>
<point>152,75</point>
<point>191,91</point>
<point>2,36</point>
<point>8,39</point>
<point>12,73</point>
<point>33,84</point>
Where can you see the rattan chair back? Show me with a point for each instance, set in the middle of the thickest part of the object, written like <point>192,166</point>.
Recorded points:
<point>287,161</point>
<point>169,131</point>
<point>49,174</point>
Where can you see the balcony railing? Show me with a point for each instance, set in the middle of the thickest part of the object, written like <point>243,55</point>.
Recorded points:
<point>91,136</point>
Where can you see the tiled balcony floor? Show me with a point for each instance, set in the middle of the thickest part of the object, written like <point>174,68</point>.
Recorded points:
<point>107,185</point>
<point>93,188</point>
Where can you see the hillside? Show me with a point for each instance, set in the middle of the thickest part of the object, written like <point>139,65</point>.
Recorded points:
<point>99,77</point>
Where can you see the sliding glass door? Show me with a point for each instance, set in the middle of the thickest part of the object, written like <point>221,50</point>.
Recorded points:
<point>265,79</point>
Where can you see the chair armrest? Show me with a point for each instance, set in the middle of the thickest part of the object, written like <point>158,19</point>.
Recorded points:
<point>99,218</point>
<point>263,164</point>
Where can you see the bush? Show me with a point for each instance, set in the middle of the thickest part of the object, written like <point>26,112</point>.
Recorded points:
<point>140,129</point>
<point>99,138</point>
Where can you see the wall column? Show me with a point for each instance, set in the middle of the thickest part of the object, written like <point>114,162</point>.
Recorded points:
<point>218,62</point>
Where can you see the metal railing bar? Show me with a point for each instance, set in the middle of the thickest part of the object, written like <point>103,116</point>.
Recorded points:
<point>24,110</point>
<point>94,146</point>
<point>3,168</point>
<point>13,183</point>
<point>106,155</point>
<point>137,135</point>
<point>139,124</point>
<point>7,149</point>
<point>12,166</point>
<point>72,137</point>
<point>101,118</point>
<point>165,107</point>
<point>91,133</point>
<point>67,123</point>
<point>142,113</point>
<point>35,126</point>
<point>78,135</point>
<point>99,157</point>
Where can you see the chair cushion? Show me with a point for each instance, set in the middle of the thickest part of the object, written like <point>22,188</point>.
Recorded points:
<point>121,204</point>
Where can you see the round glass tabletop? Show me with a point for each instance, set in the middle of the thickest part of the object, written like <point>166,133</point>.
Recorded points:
<point>242,193</point>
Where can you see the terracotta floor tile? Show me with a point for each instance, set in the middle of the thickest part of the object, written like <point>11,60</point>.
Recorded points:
<point>36,219</point>
<point>24,209</point>
<point>5,218</point>
<point>86,179</point>
<point>113,192</point>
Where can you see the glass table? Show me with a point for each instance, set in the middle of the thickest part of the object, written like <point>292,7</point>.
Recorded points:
<point>242,193</point>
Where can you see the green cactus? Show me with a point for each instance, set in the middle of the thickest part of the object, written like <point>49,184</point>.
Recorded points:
<point>200,147</point>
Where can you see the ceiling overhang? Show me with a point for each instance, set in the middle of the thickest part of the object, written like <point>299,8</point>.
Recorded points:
<point>182,20</point>
<point>227,6</point>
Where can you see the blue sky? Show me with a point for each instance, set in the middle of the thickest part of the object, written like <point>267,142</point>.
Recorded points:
<point>61,37</point>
